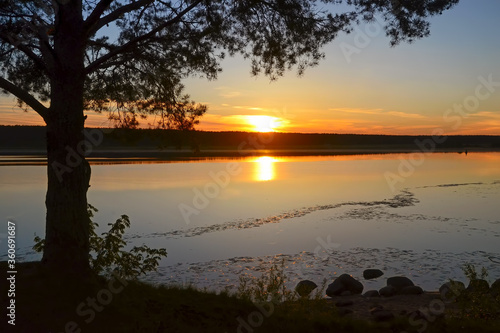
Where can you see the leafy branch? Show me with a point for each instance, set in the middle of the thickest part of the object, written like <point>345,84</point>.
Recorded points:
<point>107,255</point>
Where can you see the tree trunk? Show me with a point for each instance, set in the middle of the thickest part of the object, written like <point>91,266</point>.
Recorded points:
<point>67,225</point>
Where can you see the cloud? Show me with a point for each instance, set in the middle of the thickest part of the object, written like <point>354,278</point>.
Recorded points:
<point>490,115</point>
<point>405,115</point>
<point>10,114</point>
<point>378,112</point>
<point>483,122</point>
<point>248,107</point>
<point>361,111</point>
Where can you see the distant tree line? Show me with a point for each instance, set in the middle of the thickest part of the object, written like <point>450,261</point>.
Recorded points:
<point>32,137</point>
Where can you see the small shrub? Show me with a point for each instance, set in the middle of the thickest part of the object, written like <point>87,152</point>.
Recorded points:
<point>471,273</point>
<point>268,287</point>
<point>478,303</point>
<point>106,251</point>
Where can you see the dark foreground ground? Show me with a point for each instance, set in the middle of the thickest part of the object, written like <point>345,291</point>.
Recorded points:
<point>47,304</point>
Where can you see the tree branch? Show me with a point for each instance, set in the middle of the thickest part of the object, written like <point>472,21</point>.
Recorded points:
<point>96,13</point>
<point>25,49</point>
<point>25,96</point>
<point>134,42</point>
<point>94,22</point>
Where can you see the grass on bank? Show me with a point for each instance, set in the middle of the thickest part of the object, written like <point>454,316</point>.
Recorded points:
<point>45,304</point>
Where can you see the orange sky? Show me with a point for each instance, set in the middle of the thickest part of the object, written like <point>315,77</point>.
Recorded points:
<point>448,81</point>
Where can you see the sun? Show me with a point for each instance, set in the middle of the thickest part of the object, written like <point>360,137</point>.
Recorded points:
<point>264,123</point>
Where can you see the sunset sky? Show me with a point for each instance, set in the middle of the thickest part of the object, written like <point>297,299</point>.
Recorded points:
<point>448,81</point>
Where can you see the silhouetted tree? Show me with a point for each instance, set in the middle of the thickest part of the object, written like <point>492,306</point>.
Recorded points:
<point>60,57</point>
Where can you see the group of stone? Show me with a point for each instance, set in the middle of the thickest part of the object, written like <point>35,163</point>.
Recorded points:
<point>346,285</point>
<point>454,289</point>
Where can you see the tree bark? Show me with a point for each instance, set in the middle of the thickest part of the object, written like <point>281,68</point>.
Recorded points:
<point>67,223</point>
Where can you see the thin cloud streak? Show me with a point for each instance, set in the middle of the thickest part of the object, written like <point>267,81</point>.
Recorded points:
<point>378,112</point>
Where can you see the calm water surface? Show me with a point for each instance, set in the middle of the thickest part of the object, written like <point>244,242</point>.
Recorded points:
<point>322,215</point>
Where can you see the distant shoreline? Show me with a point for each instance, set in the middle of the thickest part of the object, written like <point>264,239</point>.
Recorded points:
<point>172,145</point>
<point>37,157</point>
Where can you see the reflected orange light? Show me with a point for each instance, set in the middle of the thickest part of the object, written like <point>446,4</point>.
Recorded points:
<point>265,168</point>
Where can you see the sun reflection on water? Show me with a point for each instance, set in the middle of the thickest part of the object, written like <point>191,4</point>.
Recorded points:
<point>264,169</point>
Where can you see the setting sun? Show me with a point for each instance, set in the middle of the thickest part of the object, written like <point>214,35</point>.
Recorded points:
<point>264,123</point>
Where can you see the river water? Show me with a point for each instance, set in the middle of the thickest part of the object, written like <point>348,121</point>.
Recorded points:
<point>422,216</point>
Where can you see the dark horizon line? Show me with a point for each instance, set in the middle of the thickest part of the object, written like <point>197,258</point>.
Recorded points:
<point>275,132</point>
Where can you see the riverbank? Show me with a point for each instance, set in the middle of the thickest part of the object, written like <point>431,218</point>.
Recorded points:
<point>46,304</point>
